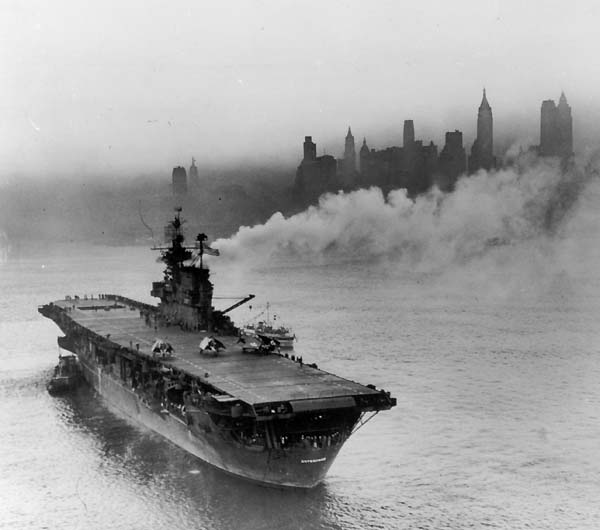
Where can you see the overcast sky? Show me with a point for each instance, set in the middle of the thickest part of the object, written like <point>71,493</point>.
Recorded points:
<point>123,87</point>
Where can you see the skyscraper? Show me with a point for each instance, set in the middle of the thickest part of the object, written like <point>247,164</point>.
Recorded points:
<point>315,174</point>
<point>452,161</point>
<point>179,181</point>
<point>556,129</point>
<point>409,153</point>
<point>565,127</point>
<point>194,178</point>
<point>548,129</point>
<point>349,160</point>
<point>482,152</point>
<point>310,149</point>
<point>364,158</point>
<point>411,166</point>
<point>412,160</point>
<point>409,134</point>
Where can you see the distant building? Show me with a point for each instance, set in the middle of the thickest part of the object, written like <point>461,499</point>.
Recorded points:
<point>556,129</point>
<point>348,163</point>
<point>419,162</point>
<point>429,153</point>
<point>310,150</point>
<point>548,129</point>
<point>411,166</point>
<point>179,181</point>
<point>382,168</point>
<point>194,178</point>
<point>364,157</point>
<point>315,174</point>
<point>482,152</point>
<point>408,138</point>
<point>452,161</point>
<point>565,127</point>
<point>416,167</point>
<point>411,157</point>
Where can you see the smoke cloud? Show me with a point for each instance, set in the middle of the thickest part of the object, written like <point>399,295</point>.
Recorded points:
<point>531,214</point>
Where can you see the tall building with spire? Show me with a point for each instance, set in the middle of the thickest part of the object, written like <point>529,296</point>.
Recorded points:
<point>556,128</point>
<point>364,158</point>
<point>350,152</point>
<point>348,163</point>
<point>193,174</point>
<point>565,127</point>
<point>482,152</point>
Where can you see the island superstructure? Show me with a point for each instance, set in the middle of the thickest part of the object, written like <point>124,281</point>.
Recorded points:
<point>253,412</point>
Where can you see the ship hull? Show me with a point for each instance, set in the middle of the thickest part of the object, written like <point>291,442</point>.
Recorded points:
<point>251,411</point>
<point>296,468</point>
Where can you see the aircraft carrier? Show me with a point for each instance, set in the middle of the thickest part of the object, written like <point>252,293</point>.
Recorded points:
<point>182,369</point>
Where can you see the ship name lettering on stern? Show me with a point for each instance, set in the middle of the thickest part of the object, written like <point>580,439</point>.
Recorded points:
<point>313,460</point>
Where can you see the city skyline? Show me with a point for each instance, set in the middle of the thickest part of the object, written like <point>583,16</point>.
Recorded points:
<point>355,168</point>
<point>466,142</point>
<point>108,89</point>
<point>332,147</point>
<point>419,164</point>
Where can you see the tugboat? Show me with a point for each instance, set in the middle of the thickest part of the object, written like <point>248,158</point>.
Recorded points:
<point>180,369</point>
<point>67,375</point>
<point>267,329</point>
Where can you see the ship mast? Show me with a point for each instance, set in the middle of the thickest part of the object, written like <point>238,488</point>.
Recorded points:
<point>175,255</point>
<point>200,239</point>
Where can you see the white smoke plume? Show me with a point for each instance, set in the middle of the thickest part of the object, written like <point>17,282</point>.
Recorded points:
<point>528,205</point>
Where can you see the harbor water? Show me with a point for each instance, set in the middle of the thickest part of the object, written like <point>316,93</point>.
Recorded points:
<point>495,364</point>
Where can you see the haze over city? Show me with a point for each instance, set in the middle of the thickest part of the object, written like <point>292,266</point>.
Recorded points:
<point>410,192</point>
<point>111,90</point>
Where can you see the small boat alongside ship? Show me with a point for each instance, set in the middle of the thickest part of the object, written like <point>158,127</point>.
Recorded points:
<point>67,375</point>
<point>181,369</point>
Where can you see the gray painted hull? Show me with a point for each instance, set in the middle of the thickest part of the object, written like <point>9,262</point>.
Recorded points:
<point>301,468</point>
